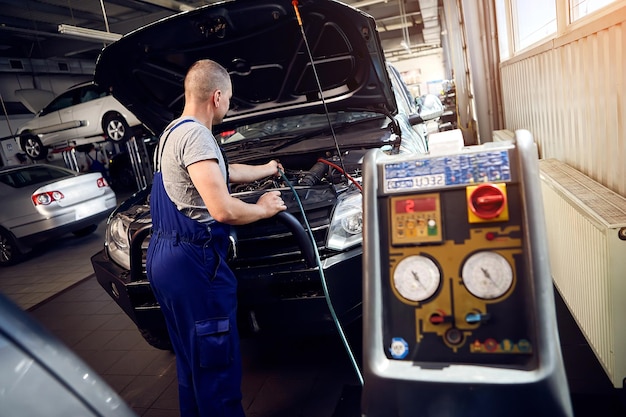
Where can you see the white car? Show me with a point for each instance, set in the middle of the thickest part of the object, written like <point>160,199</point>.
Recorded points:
<point>85,111</point>
<point>41,202</point>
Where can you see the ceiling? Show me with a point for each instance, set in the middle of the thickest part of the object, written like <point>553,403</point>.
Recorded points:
<point>29,29</point>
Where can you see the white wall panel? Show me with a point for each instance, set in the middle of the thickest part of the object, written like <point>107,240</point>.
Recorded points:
<point>571,94</point>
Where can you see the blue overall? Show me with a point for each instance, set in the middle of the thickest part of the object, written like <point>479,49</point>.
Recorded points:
<point>197,292</point>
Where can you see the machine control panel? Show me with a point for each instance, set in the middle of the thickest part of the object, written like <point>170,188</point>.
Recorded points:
<point>416,219</point>
<point>457,289</point>
<point>455,285</point>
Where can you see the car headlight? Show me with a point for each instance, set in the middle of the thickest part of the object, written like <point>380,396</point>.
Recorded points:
<point>117,241</point>
<point>346,226</point>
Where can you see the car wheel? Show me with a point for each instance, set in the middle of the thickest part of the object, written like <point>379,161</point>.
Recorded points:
<point>9,252</point>
<point>115,128</point>
<point>33,147</point>
<point>85,230</point>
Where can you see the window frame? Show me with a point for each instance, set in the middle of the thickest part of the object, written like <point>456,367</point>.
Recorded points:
<point>564,24</point>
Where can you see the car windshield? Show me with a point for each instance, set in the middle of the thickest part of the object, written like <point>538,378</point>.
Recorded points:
<point>294,125</point>
<point>33,175</point>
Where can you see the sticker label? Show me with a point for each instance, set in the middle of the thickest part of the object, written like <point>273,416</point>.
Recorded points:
<point>399,348</point>
<point>447,171</point>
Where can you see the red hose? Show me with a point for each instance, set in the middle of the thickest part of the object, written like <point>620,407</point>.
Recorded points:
<point>337,167</point>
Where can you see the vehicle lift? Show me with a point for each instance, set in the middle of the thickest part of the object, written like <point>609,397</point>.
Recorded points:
<point>459,316</point>
<point>138,155</point>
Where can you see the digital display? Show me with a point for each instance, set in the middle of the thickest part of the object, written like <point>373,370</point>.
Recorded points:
<point>415,205</point>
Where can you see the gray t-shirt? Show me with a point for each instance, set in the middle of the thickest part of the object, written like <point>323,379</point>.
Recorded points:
<point>187,143</point>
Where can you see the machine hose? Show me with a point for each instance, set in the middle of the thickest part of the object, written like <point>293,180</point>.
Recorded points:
<point>320,269</point>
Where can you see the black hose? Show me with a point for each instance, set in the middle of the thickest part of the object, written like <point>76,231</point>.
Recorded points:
<point>296,229</point>
<point>314,175</point>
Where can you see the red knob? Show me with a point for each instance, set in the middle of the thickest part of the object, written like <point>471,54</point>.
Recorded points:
<point>487,201</point>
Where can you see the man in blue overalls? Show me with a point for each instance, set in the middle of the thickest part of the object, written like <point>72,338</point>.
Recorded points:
<point>191,210</point>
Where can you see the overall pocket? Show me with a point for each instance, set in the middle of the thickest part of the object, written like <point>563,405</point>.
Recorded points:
<point>213,343</point>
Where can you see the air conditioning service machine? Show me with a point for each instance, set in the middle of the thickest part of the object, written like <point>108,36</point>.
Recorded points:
<point>458,309</point>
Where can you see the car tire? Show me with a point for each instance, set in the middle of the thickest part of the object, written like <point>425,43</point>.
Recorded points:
<point>35,150</point>
<point>10,254</point>
<point>85,230</point>
<point>116,128</point>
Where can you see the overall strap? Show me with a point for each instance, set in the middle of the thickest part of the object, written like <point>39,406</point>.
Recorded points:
<point>158,153</point>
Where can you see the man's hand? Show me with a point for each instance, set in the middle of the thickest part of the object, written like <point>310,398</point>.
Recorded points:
<point>276,168</point>
<point>272,203</point>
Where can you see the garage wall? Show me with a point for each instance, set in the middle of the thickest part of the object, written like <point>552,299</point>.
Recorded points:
<point>429,68</point>
<point>571,94</point>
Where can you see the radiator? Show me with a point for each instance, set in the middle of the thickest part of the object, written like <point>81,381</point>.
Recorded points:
<point>586,228</point>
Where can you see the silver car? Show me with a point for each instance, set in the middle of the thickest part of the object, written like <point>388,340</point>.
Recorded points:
<point>41,202</point>
<point>84,112</point>
<point>40,376</point>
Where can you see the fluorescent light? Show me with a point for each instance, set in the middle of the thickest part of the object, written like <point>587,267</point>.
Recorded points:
<point>85,33</point>
<point>365,3</point>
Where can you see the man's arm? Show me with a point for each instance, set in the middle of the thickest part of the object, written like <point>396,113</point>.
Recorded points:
<point>210,183</point>
<point>242,173</point>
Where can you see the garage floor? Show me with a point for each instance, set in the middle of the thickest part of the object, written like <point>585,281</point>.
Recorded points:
<point>282,378</point>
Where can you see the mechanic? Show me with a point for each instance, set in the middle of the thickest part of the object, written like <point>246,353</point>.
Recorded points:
<point>94,162</point>
<point>192,211</point>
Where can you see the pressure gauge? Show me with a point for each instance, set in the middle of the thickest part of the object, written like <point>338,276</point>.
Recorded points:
<point>416,278</point>
<point>487,275</point>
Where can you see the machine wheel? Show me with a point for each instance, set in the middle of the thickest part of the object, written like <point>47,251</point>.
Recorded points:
<point>85,230</point>
<point>116,129</point>
<point>9,252</point>
<point>33,147</point>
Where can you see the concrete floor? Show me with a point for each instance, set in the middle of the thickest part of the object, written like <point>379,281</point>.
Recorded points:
<point>282,378</point>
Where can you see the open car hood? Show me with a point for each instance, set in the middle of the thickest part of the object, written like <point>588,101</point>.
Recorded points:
<point>261,44</point>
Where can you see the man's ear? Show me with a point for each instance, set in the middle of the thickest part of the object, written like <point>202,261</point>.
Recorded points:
<point>217,95</point>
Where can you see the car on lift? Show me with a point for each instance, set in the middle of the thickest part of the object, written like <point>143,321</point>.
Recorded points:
<point>85,112</point>
<point>41,202</point>
<point>317,113</point>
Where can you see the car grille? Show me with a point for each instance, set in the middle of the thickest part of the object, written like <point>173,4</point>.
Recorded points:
<point>269,242</point>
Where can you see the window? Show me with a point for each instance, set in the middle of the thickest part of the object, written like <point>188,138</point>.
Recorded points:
<point>33,175</point>
<point>59,103</point>
<point>88,93</point>
<point>503,33</point>
<point>581,8</point>
<point>533,20</point>
<point>522,23</point>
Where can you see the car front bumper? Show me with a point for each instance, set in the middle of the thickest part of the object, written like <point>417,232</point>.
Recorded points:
<point>271,299</point>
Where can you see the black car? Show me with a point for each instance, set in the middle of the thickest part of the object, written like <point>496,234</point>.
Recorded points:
<point>316,99</point>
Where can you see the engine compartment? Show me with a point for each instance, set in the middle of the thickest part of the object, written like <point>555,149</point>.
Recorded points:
<point>326,169</point>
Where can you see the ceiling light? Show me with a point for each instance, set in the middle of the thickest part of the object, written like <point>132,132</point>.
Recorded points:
<point>365,3</point>
<point>85,33</point>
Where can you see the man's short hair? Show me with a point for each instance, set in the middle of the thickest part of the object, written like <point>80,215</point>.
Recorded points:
<point>204,77</point>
